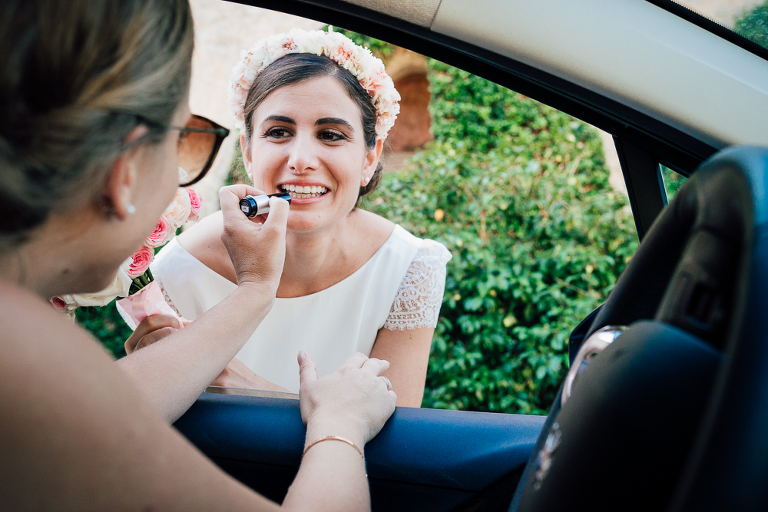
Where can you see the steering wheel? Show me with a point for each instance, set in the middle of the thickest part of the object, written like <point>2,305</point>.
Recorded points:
<point>673,414</point>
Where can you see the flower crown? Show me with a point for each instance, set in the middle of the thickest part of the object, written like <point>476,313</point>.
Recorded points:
<point>358,60</point>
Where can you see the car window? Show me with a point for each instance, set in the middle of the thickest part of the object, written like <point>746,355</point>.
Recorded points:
<point>745,18</point>
<point>528,200</point>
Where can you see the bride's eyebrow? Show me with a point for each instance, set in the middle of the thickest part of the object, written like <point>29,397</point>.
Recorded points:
<point>281,119</point>
<point>334,120</point>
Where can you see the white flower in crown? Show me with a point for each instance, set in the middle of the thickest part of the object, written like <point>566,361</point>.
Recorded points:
<point>359,61</point>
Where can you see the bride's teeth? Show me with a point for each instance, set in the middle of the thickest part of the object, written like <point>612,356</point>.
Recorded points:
<point>301,192</point>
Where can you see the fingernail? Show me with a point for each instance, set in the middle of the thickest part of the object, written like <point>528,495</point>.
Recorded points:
<point>302,355</point>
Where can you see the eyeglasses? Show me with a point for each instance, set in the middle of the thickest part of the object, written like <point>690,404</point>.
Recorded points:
<point>199,142</point>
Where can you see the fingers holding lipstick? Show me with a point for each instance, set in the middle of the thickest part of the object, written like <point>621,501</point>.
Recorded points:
<point>255,245</point>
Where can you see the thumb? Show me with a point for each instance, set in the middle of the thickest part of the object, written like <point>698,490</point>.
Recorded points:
<point>278,213</point>
<point>307,369</point>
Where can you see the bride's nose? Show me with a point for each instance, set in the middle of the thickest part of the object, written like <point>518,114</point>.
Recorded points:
<point>303,156</point>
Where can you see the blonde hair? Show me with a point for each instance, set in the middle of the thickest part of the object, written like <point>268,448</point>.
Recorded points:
<point>76,77</point>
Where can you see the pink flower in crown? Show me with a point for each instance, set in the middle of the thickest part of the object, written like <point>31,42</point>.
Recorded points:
<point>178,211</point>
<point>141,260</point>
<point>235,108</point>
<point>358,60</point>
<point>196,203</point>
<point>376,83</point>
<point>160,235</point>
<point>342,52</point>
<point>240,93</point>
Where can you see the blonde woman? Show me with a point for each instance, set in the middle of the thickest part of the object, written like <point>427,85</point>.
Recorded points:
<point>93,97</point>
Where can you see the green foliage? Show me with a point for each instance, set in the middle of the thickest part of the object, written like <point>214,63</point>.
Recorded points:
<point>237,173</point>
<point>107,326</point>
<point>672,181</point>
<point>519,194</point>
<point>754,25</point>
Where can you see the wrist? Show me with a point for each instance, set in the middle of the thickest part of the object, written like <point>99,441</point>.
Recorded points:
<point>258,290</point>
<point>318,428</point>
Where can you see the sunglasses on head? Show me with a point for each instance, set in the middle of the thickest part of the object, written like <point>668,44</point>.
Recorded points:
<point>199,141</point>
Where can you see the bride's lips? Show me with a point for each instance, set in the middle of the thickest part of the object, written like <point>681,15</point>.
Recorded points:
<point>304,192</point>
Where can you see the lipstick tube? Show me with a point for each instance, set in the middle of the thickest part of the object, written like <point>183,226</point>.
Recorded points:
<point>252,206</point>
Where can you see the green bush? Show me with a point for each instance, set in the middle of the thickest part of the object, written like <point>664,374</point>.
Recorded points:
<point>519,194</point>
<point>106,325</point>
<point>754,25</point>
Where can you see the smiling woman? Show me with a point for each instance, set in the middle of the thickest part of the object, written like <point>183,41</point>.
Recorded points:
<point>353,281</point>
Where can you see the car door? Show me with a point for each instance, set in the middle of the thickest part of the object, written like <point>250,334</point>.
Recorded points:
<point>589,60</point>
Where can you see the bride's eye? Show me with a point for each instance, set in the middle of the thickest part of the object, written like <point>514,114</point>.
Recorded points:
<point>331,136</point>
<point>276,133</point>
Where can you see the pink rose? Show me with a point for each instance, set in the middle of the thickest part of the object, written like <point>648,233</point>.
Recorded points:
<point>160,235</point>
<point>58,302</point>
<point>141,260</point>
<point>196,202</point>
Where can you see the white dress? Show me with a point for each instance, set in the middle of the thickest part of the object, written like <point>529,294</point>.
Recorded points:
<point>400,287</point>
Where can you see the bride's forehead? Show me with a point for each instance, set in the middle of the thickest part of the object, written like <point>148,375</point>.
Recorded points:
<point>316,97</point>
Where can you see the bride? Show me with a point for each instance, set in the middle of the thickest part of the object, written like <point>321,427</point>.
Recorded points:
<point>314,110</point>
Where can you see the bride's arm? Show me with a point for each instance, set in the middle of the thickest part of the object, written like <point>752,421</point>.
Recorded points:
<point>408,355</point>
<point>236,374</point>
<point>406,338</point>
<point>172,374</point>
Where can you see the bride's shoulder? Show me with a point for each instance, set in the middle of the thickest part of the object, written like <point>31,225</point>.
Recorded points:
<point>374,226</point>
<point>202,234</point>
<point>203,241</point>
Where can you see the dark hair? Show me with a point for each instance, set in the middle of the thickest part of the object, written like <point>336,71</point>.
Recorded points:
<point>298,67</point>
<point>76,78</point>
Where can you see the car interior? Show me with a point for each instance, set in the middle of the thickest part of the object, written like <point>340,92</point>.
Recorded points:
<point>667,411</point>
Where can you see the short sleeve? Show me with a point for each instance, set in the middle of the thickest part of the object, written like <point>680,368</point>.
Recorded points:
<point>418,300</point>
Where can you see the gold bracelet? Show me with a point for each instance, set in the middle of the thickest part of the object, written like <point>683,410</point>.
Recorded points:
<point>333,438</point>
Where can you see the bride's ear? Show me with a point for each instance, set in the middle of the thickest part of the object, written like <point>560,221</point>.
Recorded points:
<point>118,190</point>
<point>246,151</point>
<point>372,161</point>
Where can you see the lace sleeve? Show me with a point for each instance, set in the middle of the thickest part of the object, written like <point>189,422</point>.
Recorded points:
<point>418,300</point>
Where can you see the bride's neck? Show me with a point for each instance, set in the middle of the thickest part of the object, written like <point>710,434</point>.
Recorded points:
<point>315,261</point>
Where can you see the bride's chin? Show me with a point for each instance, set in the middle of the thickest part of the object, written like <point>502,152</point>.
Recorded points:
<point>306,223</point>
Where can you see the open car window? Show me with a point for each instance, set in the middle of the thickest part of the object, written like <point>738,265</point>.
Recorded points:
<point>532,205</point>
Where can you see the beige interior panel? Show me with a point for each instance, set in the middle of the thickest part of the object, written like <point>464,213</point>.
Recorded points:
<point>631,51</point>
<point>419,12</point>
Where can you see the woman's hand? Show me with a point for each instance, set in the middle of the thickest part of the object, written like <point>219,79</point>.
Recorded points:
<point>237,375</point>
<point>152,329</point>
<point>352,402</point>
<point>256,245</point>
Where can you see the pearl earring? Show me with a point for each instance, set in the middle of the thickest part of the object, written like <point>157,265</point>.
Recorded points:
<point>131,209</point>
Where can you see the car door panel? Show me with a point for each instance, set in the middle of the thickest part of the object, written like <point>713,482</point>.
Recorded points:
<point>436,458</point>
